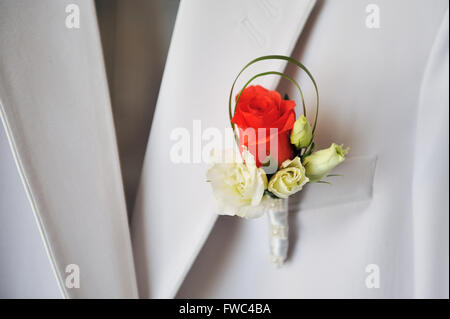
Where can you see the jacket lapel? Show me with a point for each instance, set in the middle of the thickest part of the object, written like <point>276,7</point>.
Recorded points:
<point>174,210</point>
<point>56,112</point>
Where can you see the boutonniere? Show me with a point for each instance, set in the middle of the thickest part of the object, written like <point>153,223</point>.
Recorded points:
<point>276,157</point>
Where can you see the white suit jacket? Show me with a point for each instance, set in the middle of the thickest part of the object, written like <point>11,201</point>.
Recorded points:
<point>384,93</point>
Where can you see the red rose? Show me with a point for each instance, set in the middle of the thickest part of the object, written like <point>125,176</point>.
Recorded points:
<point>260,110</point>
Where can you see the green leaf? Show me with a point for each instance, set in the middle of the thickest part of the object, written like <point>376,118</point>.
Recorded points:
<point>309,151</point>
<point>324,182</point>
<point>269,193</point>
<point>286,96</point>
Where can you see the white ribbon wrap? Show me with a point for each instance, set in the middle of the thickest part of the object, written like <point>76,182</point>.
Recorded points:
<point>277,212</point>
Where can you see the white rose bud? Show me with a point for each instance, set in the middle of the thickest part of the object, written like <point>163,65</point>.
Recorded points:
<point>301,134</point>
<point>289,179</point>
<point>238,187</point>
<point>320,163</point>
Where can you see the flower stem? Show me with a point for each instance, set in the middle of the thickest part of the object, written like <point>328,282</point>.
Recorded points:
<point>279,229</point>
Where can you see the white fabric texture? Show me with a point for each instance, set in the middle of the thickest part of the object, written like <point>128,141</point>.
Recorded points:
<point>56,111</point>
<point>430,180</point>
<point>135,37</point>
<point>369,81</point>
<point>25,271</point>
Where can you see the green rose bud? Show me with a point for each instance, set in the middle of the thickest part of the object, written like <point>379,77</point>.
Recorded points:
<point>301,134</point>
<point>320,163</point>
<point>289,179</point>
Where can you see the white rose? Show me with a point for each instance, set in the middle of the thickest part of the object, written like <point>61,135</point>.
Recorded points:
<point>289,180</point>
<point>238,186</point>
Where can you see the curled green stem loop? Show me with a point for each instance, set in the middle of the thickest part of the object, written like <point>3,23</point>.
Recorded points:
<point>274,57</point>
